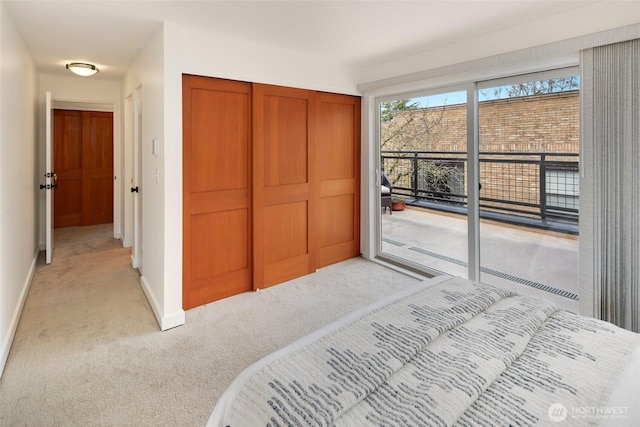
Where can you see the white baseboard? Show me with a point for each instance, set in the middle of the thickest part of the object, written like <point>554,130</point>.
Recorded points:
<point>164,321</point>
<point>15,318</point>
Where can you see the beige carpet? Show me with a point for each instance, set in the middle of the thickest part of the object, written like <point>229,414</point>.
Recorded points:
<point>88,351</point>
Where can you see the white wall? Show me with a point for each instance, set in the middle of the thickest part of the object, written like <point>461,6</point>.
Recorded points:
<point>84,93</point>
<point>171,149</point>
<point>590,19</point>
<point>19,194</point>
<point>161,265</point>
<point>207,55</point>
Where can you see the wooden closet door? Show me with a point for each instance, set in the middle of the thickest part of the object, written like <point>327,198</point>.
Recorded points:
<point>217,247</point>
<point>283,183</point>
<point>67,164</point>
<point>337,159</point>
<point>83,163</point>
<point>97,167</point>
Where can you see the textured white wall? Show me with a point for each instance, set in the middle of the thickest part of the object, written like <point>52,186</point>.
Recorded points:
<point>19,178</point>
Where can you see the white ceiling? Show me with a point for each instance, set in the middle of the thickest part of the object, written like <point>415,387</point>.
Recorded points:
<point>110,34</point>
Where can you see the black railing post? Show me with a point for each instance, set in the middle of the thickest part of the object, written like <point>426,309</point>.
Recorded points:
<point>497,200</point>
<point>543,187</point>
<point>415,176</point>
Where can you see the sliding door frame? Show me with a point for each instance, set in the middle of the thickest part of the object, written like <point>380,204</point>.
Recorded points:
<point>473,236</point>
<point>372,106</point>
<point>473,182</point>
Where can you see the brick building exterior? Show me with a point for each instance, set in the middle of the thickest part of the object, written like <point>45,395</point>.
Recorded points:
<point>541,124</point>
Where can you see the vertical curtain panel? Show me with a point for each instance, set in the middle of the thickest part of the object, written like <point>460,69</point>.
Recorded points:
<point>610,226</point>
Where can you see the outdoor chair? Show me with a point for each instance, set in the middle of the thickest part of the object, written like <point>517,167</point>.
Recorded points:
<point>386,187</point>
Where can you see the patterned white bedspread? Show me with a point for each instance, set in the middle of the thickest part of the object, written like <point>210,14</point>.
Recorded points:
<point>456,353</point>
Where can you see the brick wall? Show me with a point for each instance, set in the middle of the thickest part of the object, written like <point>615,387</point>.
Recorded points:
<point>539,123</point>
<point>547,123</point>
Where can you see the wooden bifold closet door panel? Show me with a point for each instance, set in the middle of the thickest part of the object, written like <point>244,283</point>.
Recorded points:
<point>285,162</point>
<point>217,247</point>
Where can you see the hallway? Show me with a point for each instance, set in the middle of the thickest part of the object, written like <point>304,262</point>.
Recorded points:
<point>84,306</point>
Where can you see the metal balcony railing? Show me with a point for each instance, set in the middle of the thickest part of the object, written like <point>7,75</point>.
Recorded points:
<point>536,189</point>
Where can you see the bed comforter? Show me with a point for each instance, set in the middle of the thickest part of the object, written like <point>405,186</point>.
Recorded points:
<point>457,353</point>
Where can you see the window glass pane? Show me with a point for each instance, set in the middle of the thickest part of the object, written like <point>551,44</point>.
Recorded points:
<point>529,151</point>
<point>528,179</point>
<point>423,144</point>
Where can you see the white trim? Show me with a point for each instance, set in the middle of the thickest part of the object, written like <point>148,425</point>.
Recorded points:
<point>5,348</point>
<point>107,107</point>
<point>368,170</point>
<point>538,58</point>
<point>469,72</point>
<point>473,183</point>
<point>164,322</point>
<point>173,320</point>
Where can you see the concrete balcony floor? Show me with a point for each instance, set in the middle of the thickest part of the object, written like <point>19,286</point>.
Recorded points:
<point>527,260</point>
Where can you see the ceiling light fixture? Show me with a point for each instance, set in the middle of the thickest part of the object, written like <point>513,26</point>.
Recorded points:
<point>82,68</point>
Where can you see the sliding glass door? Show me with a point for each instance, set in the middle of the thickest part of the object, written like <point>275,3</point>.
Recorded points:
<point>517,146</point>
<point>529,175</point>
<point>423,156</point>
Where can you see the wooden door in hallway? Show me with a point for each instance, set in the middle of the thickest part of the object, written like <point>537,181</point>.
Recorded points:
<point>83,162</point>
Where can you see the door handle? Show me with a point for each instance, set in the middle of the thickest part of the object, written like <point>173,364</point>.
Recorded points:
<point>54,181</point>
<point>134,189</point>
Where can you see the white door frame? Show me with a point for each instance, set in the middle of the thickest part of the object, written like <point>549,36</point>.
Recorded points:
<point>136,185</point>
<point>49,179</point>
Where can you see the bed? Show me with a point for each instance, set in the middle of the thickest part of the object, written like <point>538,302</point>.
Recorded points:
<point>446,352</point>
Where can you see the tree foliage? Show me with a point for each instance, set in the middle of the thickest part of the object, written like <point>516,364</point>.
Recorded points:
<point>538,87</point>
<point>408,127</point>
<point>389,109</point>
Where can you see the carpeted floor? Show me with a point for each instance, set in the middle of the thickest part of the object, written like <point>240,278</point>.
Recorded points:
<point>88,351</point>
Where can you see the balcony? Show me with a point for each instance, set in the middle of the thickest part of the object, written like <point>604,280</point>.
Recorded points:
<point>529,238</point>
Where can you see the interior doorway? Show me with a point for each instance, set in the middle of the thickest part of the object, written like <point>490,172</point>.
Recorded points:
<point>83,162</point>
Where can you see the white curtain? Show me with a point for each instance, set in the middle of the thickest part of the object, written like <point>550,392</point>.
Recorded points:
<point>610,185</point>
